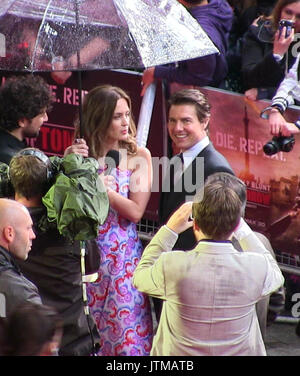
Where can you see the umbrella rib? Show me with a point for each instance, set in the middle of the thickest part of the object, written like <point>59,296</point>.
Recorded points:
<point>36,42</point>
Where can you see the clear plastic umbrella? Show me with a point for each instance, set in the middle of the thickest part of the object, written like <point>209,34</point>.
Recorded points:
<point>49,35</point>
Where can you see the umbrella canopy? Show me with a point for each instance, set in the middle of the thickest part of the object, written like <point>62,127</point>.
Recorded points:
<point>49,35</point>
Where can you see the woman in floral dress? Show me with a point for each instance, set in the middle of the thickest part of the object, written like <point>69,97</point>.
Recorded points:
<point>122,314</point>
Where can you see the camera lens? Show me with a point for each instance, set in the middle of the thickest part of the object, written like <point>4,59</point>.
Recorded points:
<point>280,143</point>
<point>271,147</point>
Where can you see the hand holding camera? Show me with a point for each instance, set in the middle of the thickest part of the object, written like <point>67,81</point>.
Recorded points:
<point>276,121</point>
<point>284,134</point>
<point>279,143</point>
<point>180,219</point>
<point>283,37</point>
<point>279,126</point>
<point>286,27</point>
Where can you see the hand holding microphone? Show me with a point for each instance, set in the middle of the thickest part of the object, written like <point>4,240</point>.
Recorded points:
<point>112,160</point>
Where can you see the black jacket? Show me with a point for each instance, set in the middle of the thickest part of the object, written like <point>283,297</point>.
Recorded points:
<point>9,146</point>
<point>170,201</point>
<point>259,67</point>
<point>15,289</point>
<point>54,266</point>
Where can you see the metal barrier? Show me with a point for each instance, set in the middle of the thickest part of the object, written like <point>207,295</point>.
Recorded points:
<point>288,263</point>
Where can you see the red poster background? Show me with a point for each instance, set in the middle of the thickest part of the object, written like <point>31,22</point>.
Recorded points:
<point>239,133</point>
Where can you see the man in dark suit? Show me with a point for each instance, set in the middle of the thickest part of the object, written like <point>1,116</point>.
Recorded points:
<point>188,121</point>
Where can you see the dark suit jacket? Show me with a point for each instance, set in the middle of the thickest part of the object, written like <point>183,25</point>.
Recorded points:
<point>170,201</point>
<point>53,264</point>
<point>9,146</point>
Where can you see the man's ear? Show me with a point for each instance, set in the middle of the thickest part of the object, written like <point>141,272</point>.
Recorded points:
<point>197,232</point>
<point>8,234</point>
<point>22,122</point>
<point>195,226</point>
<point>206,123</point>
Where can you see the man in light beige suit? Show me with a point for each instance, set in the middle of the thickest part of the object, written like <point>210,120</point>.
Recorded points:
<point>209,293</point>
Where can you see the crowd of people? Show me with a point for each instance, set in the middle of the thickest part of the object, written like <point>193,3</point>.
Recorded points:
<point>206,271</point>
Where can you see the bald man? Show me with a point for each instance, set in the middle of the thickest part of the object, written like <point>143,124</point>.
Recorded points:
<point>16,235</point>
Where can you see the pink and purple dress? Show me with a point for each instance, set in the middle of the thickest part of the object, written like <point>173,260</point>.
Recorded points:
<point>122,313</point>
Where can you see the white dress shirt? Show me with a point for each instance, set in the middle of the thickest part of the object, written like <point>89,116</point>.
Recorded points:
<point>209,294</point>
<point>190,154</point>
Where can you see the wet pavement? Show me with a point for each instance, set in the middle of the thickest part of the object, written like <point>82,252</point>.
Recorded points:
<point>281,338</point>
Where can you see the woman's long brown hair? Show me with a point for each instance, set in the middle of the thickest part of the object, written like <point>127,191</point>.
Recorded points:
<point>97,113</point>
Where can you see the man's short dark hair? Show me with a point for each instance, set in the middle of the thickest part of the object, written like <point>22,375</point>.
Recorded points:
<point>23,97</point>
<point>28,175</point>
<point>219,211</point>
<point>192,97</point>
<point>233,182</point>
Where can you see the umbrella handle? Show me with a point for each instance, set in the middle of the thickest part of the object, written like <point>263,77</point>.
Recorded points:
<point>82,262</point>
<point>145,115</point>
<point>76,10</point>
<point>80,103</point>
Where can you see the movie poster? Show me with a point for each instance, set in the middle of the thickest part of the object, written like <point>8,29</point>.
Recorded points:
<point>273,182</point>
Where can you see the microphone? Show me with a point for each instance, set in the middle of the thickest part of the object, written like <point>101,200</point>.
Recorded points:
<point>112,160</point>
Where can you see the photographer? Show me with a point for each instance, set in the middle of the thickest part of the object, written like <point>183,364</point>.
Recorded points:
<point>54,261</point>
<point>268,49</point>
<point>209,292</point>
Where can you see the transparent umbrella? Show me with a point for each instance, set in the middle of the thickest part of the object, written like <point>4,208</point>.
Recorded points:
<point>49,35</point>
<point>68,35</point>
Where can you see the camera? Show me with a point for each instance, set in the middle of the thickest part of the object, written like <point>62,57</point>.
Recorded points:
<point>289,26</point>
<point>279,143</point>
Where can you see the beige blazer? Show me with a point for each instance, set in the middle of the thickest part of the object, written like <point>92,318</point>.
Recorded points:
<point>209,294</point>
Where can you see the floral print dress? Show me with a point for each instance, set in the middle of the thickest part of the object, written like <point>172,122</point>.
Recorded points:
<point>122,313</point>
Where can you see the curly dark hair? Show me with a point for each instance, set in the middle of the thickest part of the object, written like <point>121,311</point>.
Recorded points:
<point>23,97</point>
